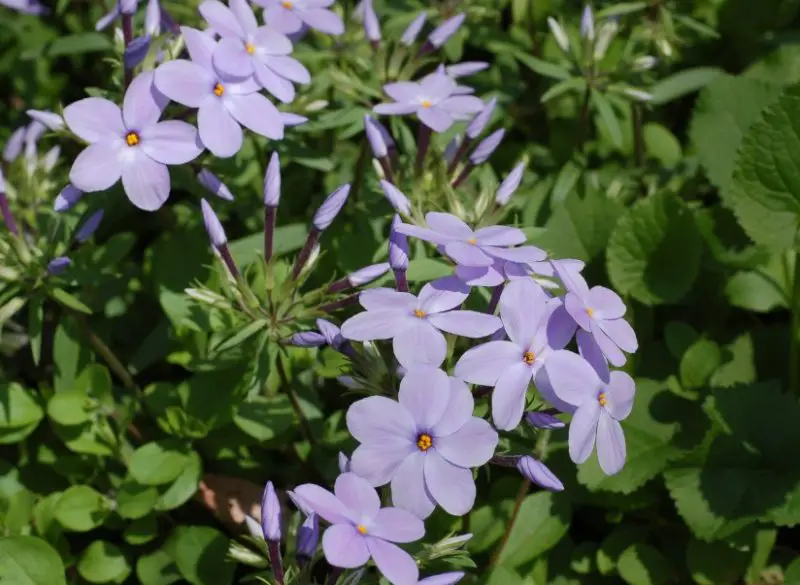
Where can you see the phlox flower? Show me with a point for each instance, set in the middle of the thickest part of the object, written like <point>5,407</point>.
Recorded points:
<point>290,16</point>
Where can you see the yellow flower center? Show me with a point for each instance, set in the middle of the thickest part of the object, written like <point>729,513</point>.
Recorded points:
<point>472,241</point>
<point>219,90</point>
<point>602,399</point>
<point>361,529</point>
<point>288,4</point>
<point>419,313</point>
<point>529,357</point>
<point>132,138</point>
<point>426,103</point>
<point>590,312</point>
<point>250,48</point>
<point>424,442</point>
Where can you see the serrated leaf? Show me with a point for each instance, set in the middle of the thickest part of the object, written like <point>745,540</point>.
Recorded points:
<point>265,418</point>
<point>642,564</point>
<point>715,563</point>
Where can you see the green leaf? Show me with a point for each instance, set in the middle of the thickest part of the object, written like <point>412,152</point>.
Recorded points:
<point>542,67</point>
<point>542,521</point>
<point>765,190</point>
<point>69,301</point>
<point>70,355</point>
<point>608,118</point>
<point>576,84</point>
<point>426,269</point>
<point>157,568</point>
<point>616,543</point>
<point>70,408</point>
<point>662,144</point>
<point>699,363</point>
<point>10,308</point>
<point>141,531</point>
<point>565,182</point>
<point>80,43</point>
<point>18,407</point>
<point>764,288</point>
<point>135,500</point>
<point>184,486</point>
<point>287,238</point>
<point>159,462</point>
<point>654,251</point>
<point>81,509</point>
<point>35,322</point>
<point>265,418</point>
<point>26,560</point>
<point>683,83</point>
<point>715,563</point>
<point>642,564</point>
<point>201,555</point>
<point>102,562</point>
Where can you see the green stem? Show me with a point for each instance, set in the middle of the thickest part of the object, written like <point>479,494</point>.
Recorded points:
<point>794,359</point>
<point>298,409</point>
<point>583,129</point>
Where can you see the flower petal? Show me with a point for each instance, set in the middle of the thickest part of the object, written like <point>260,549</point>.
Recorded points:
<point>221,19</point>
<point>621,333</point>
<point>283,20</point>
<point>94,119</point>
<point>419,343</point>
<point>582,430</point>
<point>466,254</point>
<point>408,486</point>
<point>435,118</point>
<point>146,181</point>
<point>231,58</point>
<point>184,82</point>
<point>244,14</point>
<point>521,306</point>
<point>611,451</point>
<point>480,275</point>
<point>357,494</point>
<point>574,381</point>
<point>270,41</point>
<point>256,113</point>
<point>219,132</point>
<point>443,579</point>
<point>442,294</point>
<point>344,546</point>
<point>577,310</point>
<point>508,397</point>
<point>619,395</point>
<point>605,303</point>
<point>172,142</point>
<point>290,68</point>
<point>97,167</point>
<point>378,419</point>
<point>590,351</point>
<point>462,105</point>
<point>143,103</point>
<point>484,363</point>
<point>380,462</point>
<point>451,486</point>
<point>610,349</point>
<point>500,235</point>
<point>438,85</point>
<point>459,409</point>
<point>470,446</point>
<point>276,85</point>
<point>448,224</point>
<point>523,254</point>
<point>200,46</point>
<point>395,109</point>
<point>545,388</point>
<point>425,393</point>
<point>323,20</point>
<point>403,91</point>
<point>323,503</point>
<point>466,323</point>
<point>560,328</point>
<point>372,325</point>
<point>396,525</point>
<point>381,298</point>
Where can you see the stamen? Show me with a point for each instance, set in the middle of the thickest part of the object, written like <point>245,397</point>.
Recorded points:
<point>602,399</point>
<point>219,89</point>
<point>529,357</point>
<point>419,313</point>
<point>361,529</point>
<point>426,103</point>
<point>424,442</point>
<point>472,241</point>
<point>590,312</point>
<point>132,138</point>
<point>250,48</point>
<point>288,4</point>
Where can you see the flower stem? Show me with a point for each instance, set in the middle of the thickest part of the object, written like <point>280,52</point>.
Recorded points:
<point>463,175</point>
<point>794,341</point>
<point>583,129</point>
<point>127,35</point>
<point>302,257</point>
<point>401,279</point>
<point>340,304</point>
<point>227,258</point>
<point>423,142</point>
<point>270,215</point>
<point>274,549</point>
<point>8,217</point>
<point>462,150</point>
<point>334,576</point>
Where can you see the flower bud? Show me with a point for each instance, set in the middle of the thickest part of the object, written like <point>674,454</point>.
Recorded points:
<point>136,51</point>
<point>608,30</point>
<point>372,28</point>
<point>13,147</point>
<point>368,274</point>
<point>272,181</point>
<point>271,514</point>
<point>331,333</point>
<point>213,183</point>
<point>289,119</point>
<point>587,23</point>
<point>398,247</point>
<point>637,94</point>
<point>51,158</point>
<point>379,147</point>
<point>396,198</point>
<point>487,147</point>
<point>344,463</point>
<point>452,149</point>
<point>412,31</point>
<point>58,265</point>
<point>537,472</point>
<point>543,420</point>
<point>254,528</point>
<point>308,537</point>
<point>48,119</point>
<point>128,6</point>
<point>644,63</point>
<point>466,68</point>
<point>447,29</point>
<point>330,208</point>
<point>216,232</point>
<point>562,40</point>
<point>152,18</point>
<point>89,226</point>
<point>481,119</point>
<point>308,339</point>
<point>510,184</point>
<point>442,579</point>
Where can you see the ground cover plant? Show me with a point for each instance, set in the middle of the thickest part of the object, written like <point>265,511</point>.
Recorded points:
<point>399,292</point>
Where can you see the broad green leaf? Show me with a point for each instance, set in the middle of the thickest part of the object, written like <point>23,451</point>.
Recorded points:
<point>141,531</point>
<point>738,365</point>
<point>616,543</point>
<point>765,190</point>
<point>201,555</point>
<point>287,238</point>
<point>565,183</point>
<point>157,568</point>
<point>542,521</point>
<point>96,437</point>
<point>18,407</point>
<point>159,462</point>
<point>662,144</point>
<point>699,363</point>
<point>764,288</point>
<point>654,251</point>
<point>426,269</point>
<point>81,509</point>
<point>80,43</point>
<point>683,83</point>
<point>70,408</point>
<point>542,67</point>
<point>265,418</point>
<point>135,500</point>
<point>792,575</point>
<point>70,301</point>
<point>608,117</point>
<point>70,355</point>
<point>501,575</point>
<point>184,486</point>
<point>27,560</point>
<point>715,563</point>
<point>102,562</point>
<point>642,564</point>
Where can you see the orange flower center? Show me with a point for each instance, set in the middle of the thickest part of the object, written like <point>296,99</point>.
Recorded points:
<point>250,48</point>
<point>132,138</point>
<point>288,4</point>
<point>602,399</point>
<point>361,529</point>
<point>529,357</point>
<point>219,90</point>
<point>419,313</point>
<point>472,241</point>
<point>590,312</point>
<point>427,103</point>
<point>424,442</point>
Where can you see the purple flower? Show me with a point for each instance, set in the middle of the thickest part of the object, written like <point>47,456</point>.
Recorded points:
<point>213,184</point>
<point>58,265</point>
<point>534,330</point>
<point>136,51</point>
<point>398,247</point>
<point>50,120</point>
<point>434,100</point>
<point>415,323</point>
<point>222,105</point>
<point>412,31</point>
<point>290,16</point>
<point>13,147</point>
<point>34,7</point>
<point>425,444</point>
<point>152,18</point>
<point>121,7</point>
<point>396,198</point>
<point>272,181</point>
<point>130,143</point>
<point>247,49</point>
<point>587,23</point>
<point>367,274</point>
<point>543,420</point>
<point>361,529</point>
<point>216,233</point>
<point>466,68</point>
<point>486,147</point>
<point>473,248</point>
<point>442,33</point>
<point>89,227</point>
<point>67,199</point>
<point>344,463</point>
<point>599,408</point>
<point>330,208</point>
<point>599,311</point>
<point>443,579</point>
<point>308,339</point>
<point>375,137</point>
<point>481,119</point>
<point>537,472</point>
<point>308,537</point>
<point>372,28</point>
<point>271,514</point>
<point>510,184</point>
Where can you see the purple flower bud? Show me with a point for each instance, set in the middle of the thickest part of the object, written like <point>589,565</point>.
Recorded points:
<point>308,537</point>
<point>510,184</point>
<point>89,226</point>
<point>58,265</point>
<point>272,181</point>
<point>13,147</point>
<point>398,247</point>
<point>412,32</point>
<point>128,6</point>
<point>67,199</point>
<point>308,339</point>
<point>537,472</point>
<point>51,158</point>
<point>452,148</point>
<point>48,119</point>
<point>372,28</point>
<point>344,463</point>
<point>332,333</point>
<point>213,183</point>
<point>587,23</point>
<point>487,146</point>
<point>481,119</point>
<point>466,68</point>
<point>379,147</point>
<point>216,232</point>
<point>396,198</point>
<point>330,208</point>
<point>152,18</point>
<point>442,579</point>
<point>368,274</point>
<point>543,420</point>
<point>291,120</point>
<point>2,182</point>
<point>136,51</point>
<point>271,514</point>
<point>442,33</point>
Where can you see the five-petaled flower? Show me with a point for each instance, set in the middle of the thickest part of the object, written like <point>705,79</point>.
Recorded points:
<point>290,16</point>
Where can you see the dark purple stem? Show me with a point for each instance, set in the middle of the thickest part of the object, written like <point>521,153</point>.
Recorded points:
<point>463,176</point>
<point>274,549</point>
<point>127,35</point>
<point>270,214</point>
<point>340,304</point>
<point>496,292</point>
<point>334,576</point>
<point>462,150</point>
<point>166,19</point>
<point>504,460</point>
<point>423,142</point>
<point>386,165</point>
<point>339,286</point>
<point>8,217</point>
<point>401,280</point>
<point>426,48</point>
<point>225,253</point>
<point>302,258</point>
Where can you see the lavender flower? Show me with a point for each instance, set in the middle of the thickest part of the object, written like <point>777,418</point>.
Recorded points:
<point>434,100</point>
<point>290,16</point>
<point>330,208</point>
<point>396,198</point>
<point>344,463</point>
<point>130,143</point>
<point>213,184</point>
<point>372,28</point>
<point>442,33</point>
<point>599,408</point>
<point>412,31</point>
<point>361,529</point>
<point>486,147</point>
<point>247,49</point>
<point>34,7</point>
<point>13,147</point>
<point>308,537</point>
<point>271,514</point>
<point>367,274</point>
<point>443,579</point>
<point>398,247</point>
<point>152,18</point>
<point>89,227</point>
<point>216,233</point>
<point>473,248</point>
<point>415,323</point>
<point>509,185</point>
<point>135,52</point>
<point>375,137</point>
<point>587,23</point>
<point>533,328</point>
<point>537,472</point>
<point>425,444</point>
<point>48,119</point>
<point>58,265</point>
<point>466,68</point>
<point>543,420</point>
<point>481,119</point>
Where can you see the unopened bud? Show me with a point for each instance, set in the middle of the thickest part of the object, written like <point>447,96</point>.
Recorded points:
<point>562,40</point>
